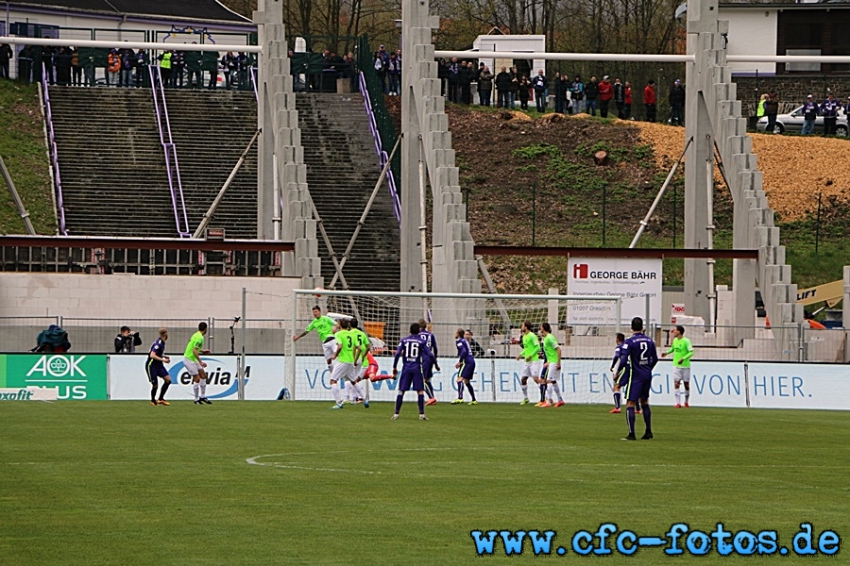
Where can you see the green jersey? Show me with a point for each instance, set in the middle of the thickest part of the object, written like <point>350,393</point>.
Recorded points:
<point>324,327</point>
<point>682,351</point>
<point>550,348</point>
<point>363,342</point>
<point>346,339</point>
<point>197,341</point>
<point>530,347</point>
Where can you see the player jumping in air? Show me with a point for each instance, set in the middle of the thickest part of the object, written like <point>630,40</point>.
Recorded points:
<point>195,365</point>
<point>414,352</point>
<point>465,366</point>
<point>638,356</point>
<point>552,366</point>
<point>531,356</point>
<point>682,351</point>
<point>347,351</point>
<point>368,367</point>
<point>324,327</point>
<point>427,366</point>
<point>155,368</point>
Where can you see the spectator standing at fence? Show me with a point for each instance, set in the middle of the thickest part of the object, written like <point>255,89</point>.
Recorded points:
<point>540,84</point>
<point>155,368</point>
<point>213,82</point>
<point>524,92</point>
<point>195,365</point>
<point>165,62</point>
<point>829,109</point>
<point>63,66</point>
<point>126,341</point>
<point>503,88</point>
<point>606,94</point>
<point>195,64</point>
<point>47,60</point>
<point>627,98</point>
<point>394,74</point>
<point>128,61</point>
<point>577,95</point>
<point>771,109</point>
<point>467,74</point>
<point>649,100</point>
<point>454,80</point>
<point>25,63</point>
<point>485,86</point>
<point>228,65</point>
<point>113,67</point>
<point>514,89</point>
<point>243,66</point>
<point>141,65</point>
<point>810,114</point>
<point>619,98</point>
<point>178,69</point>
<point>5,57</point>
<point>76,68</point>
<point>682,351</point>
<point>566,89</point>
<point>556,88</point>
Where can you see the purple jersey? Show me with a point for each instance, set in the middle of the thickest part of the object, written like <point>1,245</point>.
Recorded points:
<point>464,353</point>
<point>430,341</point>
<point>157,348</point>
<point>638,356</point>
<point>412,350</point>
<point>617,353</point>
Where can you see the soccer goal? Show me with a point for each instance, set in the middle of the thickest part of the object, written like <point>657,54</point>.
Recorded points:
<point>584,326</point>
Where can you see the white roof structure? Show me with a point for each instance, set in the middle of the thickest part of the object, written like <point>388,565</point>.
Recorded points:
<point>518,44</point>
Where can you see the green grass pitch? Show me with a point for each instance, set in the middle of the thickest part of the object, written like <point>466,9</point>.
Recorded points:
<point>126,483</point>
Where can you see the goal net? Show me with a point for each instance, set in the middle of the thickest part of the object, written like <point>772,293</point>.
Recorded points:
<point>585,327</point>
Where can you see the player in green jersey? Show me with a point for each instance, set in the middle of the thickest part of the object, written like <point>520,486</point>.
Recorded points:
<point>324,327</point>
<point>682,351</point>
<point>361,365</point>
<point>195,365</point>
<point>347,351</point>
<point>551,366</point>
<point>531,356</point>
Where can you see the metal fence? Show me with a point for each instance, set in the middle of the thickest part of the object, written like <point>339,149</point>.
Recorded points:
<point>271,336</point>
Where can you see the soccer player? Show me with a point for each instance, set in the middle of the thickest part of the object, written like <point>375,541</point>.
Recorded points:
<point>638,356</point>
<point>324,327</point>
<point>427,366</point>
<point>414,352</point>
<point>155,368</point>
<point>682,351</point>
<point>466,366</point>
<point>531,354</point>
<point>195,365</point>
<point>347,351</point>
<point>552,366</point>
<point>364,361</point>
<point>617,371</point>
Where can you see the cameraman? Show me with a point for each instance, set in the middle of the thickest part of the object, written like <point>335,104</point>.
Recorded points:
<point>126,341</point>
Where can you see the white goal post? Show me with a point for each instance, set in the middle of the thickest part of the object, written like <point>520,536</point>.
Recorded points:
<point>585,327</point>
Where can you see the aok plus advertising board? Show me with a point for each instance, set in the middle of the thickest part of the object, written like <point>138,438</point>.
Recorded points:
<point>74,376</point>
<point>631,279</point>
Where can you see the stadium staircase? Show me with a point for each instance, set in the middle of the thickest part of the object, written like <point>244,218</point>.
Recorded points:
<point>114,179</point>
<point>342,169</point>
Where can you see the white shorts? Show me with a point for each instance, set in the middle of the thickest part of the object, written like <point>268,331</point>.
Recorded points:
<point>343,370</point>
<point>329,348</point>
<point>553,373</point>
<point>192,367</point>
<point>532,369</point>
<point>682,374</point>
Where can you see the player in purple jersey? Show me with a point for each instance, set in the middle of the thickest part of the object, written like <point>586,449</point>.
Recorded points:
<point>155,368</point>
<point>638,357</point>
<point>414,352</point>
<point>466,366</point>
<point>428,367</point>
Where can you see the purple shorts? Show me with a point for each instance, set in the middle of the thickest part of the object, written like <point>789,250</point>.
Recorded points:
<point>156,370</point>
<point>467,371</point>
<point>637,389</point>
<point>411,380</point>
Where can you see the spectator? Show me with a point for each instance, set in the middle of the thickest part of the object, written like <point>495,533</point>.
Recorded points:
<point>48,55</point>
<point>760,110</point>
<point>485,86</point>
<point>113,67</point>
<point>443,75</point>
<point>620,98</point>
<point>577,92</point>
<point>515,80</point>
<point>540,85</point>
<point>467,73</point>
<point>503,88</point>
<point>228,64</point>
<point>394,73</point>
<point>142,62</point>
<point>76,68</point>
<point>606,93</point>
<point>25,63</point>
<point>178,69</point>
<point>243,67</point>
<point>381,71</point>
<point>829,109</point>
<point>810,114</point>
<point>5,57</point>
<point>165,61</point>
<point>649,100</point>
<point>63,66</point>
<point>126,341</point>
<point>53,340</point>
<point>195,64</point>
<point>591,95</point>
<point>627,102</point>
<point>474,346</point>
<point>771,109</point>
<point>566,86</point>
<point>128,61</point>
<point>523,91</point>
<point>556,84</point>
<point>213,82</point>
<point>677,104</point>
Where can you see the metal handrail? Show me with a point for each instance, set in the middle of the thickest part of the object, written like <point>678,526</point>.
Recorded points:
<point>54,155</point>
<point>382,154</point>
<point>170,152</point>
<point>253,71</point>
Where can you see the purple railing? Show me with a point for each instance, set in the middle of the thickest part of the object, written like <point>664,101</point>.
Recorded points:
<point>172,166</point>
<point>379,149</point>
<point>254,83</point>
<point>54,155</point>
